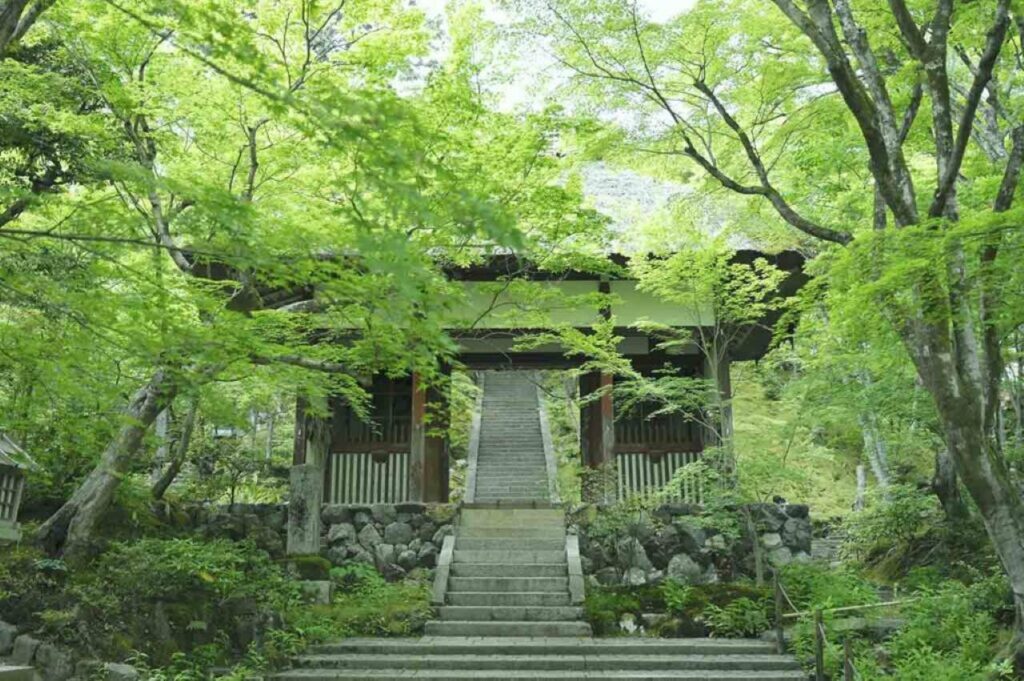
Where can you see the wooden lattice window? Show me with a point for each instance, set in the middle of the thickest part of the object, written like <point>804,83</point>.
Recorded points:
<point>11,480</point>
<point>389,425</point>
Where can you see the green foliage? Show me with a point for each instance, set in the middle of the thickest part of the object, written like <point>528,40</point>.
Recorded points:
<point>740,618</point>
<point>310,567</point>
<point>370,608</point>
<point>177,570</point>
<point>813,586</point>
<point>892,524</point>
<point>357,578</point>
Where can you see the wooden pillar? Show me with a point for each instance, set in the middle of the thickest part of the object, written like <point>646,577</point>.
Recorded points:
<point>428,451</point>
<point>435,460</point>
<point>606,450</point>
<point>597,420</point>
<point>418,441</point>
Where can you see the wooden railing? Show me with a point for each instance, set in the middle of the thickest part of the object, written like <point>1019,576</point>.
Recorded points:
<point>782,599</point>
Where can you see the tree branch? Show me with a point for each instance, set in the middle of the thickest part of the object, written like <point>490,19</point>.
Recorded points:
<point>994,39</point>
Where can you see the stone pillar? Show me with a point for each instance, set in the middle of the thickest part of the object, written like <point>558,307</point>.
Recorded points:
<point>306,480</point>
<point>305,499</point>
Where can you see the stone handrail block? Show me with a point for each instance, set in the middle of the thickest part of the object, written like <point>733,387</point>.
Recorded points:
<point>572,556</point>
<point>444,565</point>
<point>474,442</point>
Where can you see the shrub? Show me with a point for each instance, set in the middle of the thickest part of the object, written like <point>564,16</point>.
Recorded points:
<point>166,596</point>
<point>892,522</point>
<point>742,617</point>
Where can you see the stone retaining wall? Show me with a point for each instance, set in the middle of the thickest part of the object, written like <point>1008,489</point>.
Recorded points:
<point>677,541</point>
<point>394,538</point>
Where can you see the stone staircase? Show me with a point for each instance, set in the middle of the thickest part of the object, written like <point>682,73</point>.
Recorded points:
<point>510,462</point>
<point>546,659</point>
<point>513,588</point>
<point>509,577</point>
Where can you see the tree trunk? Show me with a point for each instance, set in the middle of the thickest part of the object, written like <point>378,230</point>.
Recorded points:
<point>180,452</point>
<point>986,476</point>
<point>862,488</point>
<point>70,531</point>
<point>947,489</point>
<point>875,449</point>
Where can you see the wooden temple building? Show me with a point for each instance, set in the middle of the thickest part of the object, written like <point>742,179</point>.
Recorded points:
<point>398,457</point>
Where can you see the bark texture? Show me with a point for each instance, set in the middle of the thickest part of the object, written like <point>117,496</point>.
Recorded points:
<point>71,530</point>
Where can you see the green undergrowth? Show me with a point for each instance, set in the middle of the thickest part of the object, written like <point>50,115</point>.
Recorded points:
<point>180,608</point>
<point>725,610</point>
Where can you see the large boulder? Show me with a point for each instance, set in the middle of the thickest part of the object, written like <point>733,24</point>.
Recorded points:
<point>341,533</point>
<point>384,513</point>
<point>662,546</point>
<point>635,576</point>
<point>407,559</point>
<point>398,533</point>
<point>441,533</point>
<point>684,570</point>
<point>361,555</point>
<point>427,555</point>
<point>53,663</point>
<point>630,553</point>
<point>801,511</point>
<point>796,534</point>
<point>607,576</point>
<point>24,650</point>
<point>361,518</point>
<point>120,672</point>
<point>332,514</point>
<point>780,556</point>
<point>392,572</point>
<point>691,537</point>
<point>767,517</point>
<point>8,632</point>
<point>426,530</point>
<point>369,537</point>
<point>338,554</point>
<point>384,554</point>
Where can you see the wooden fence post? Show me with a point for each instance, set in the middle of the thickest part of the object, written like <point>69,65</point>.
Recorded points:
<point>819,647</point>
<point>780,636</point>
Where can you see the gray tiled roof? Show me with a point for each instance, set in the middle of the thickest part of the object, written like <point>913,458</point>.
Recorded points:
<point>13,455</point>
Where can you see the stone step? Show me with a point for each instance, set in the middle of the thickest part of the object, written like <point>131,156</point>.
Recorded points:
<point>511,517</point>
<point>510,598</point>
<point>508,584</point>
<point>531,628</point>
<point>509,492</point>
<point>12,673</point>
<point>588,663</point>
<point>546,646</point>
<point>509,613</point>
<point>502,531</point>
<point>463,543</point>
<point>509,557</point>
<point>533,675</point>
<point>518,571</point>
<point>511,503</point>
<point>519,500</point>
